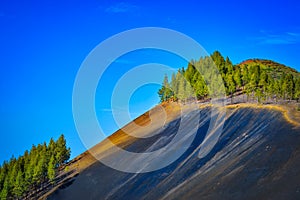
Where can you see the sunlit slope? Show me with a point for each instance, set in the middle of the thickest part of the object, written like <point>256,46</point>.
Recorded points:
<point>256,157</point>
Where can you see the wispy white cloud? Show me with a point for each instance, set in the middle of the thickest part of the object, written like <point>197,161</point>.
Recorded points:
<point>293,34</point>
<point>121,7</point>
<point>277,38</point>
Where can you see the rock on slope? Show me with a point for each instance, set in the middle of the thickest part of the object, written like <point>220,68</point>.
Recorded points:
<point>256,157</point>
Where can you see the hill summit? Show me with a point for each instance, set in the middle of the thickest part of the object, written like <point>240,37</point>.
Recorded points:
<point>256,155</point>
<point>263,81</point>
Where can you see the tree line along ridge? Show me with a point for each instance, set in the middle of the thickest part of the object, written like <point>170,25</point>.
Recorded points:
<point>263,80</point>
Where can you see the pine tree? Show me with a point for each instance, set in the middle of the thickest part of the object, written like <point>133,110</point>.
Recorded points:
<point>238,77</point>
<point>259,95</point>
<point>219,61</point>
<point>200,87</point>
<point>189,73</point>
<point>245,75</point>
<point>181,89</point>
<point>39,170</point>
<point>248,91</point>
<point>29,170</point>
<point>13,173</point>
<point>173,82</point>
<point>231,86</point>
<point>19,185</point>
<point>228,66</point>
<point>189,91</point>
<point>277,90</point>
<point>51,169</point>
<point>255,75</point>
<point>263,80</point>
<point>3,172</point>
<point>283,84</point>
<point>51,149</point>
<point>62,152</point>
<point>5,190</point>
<point>165,92</point>
<point>297,90</point>
<point>177,81</point>
<point>168,91</point>
<point>270,87</point>
<point>253,82</point>
<point>289,82</point>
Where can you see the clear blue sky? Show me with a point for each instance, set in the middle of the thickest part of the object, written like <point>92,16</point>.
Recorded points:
<point>43,44</point>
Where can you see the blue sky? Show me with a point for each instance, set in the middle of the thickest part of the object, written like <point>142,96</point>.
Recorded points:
<point>43,44</point>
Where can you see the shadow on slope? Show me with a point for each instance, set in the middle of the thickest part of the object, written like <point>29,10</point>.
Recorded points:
<point>257,157</point>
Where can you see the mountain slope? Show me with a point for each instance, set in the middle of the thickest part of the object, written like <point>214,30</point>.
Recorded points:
<point>256,157</point>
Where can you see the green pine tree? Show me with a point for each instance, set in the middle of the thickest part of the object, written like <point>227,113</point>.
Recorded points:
<point>39,170</point>
<point>263,79</point>
<point>297,89</point>
<point>62,152</point>
<point>245,75</point>
<point>259,95</point>
<point>277,90</point>
<point>4,194</point>
<point>289,82</point>
<point>231,86</point>
<point>51,171</point>
<point>228,66</point>
<point>238,77</point>
<point>19,185</point>
<point>181,89</point>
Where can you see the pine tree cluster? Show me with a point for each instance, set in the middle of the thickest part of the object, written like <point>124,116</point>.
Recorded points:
<point>262,80</point>
<point>32,170</point>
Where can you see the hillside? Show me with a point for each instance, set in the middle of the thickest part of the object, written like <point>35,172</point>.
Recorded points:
<point>254,154</point>
<point>256,157</point>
